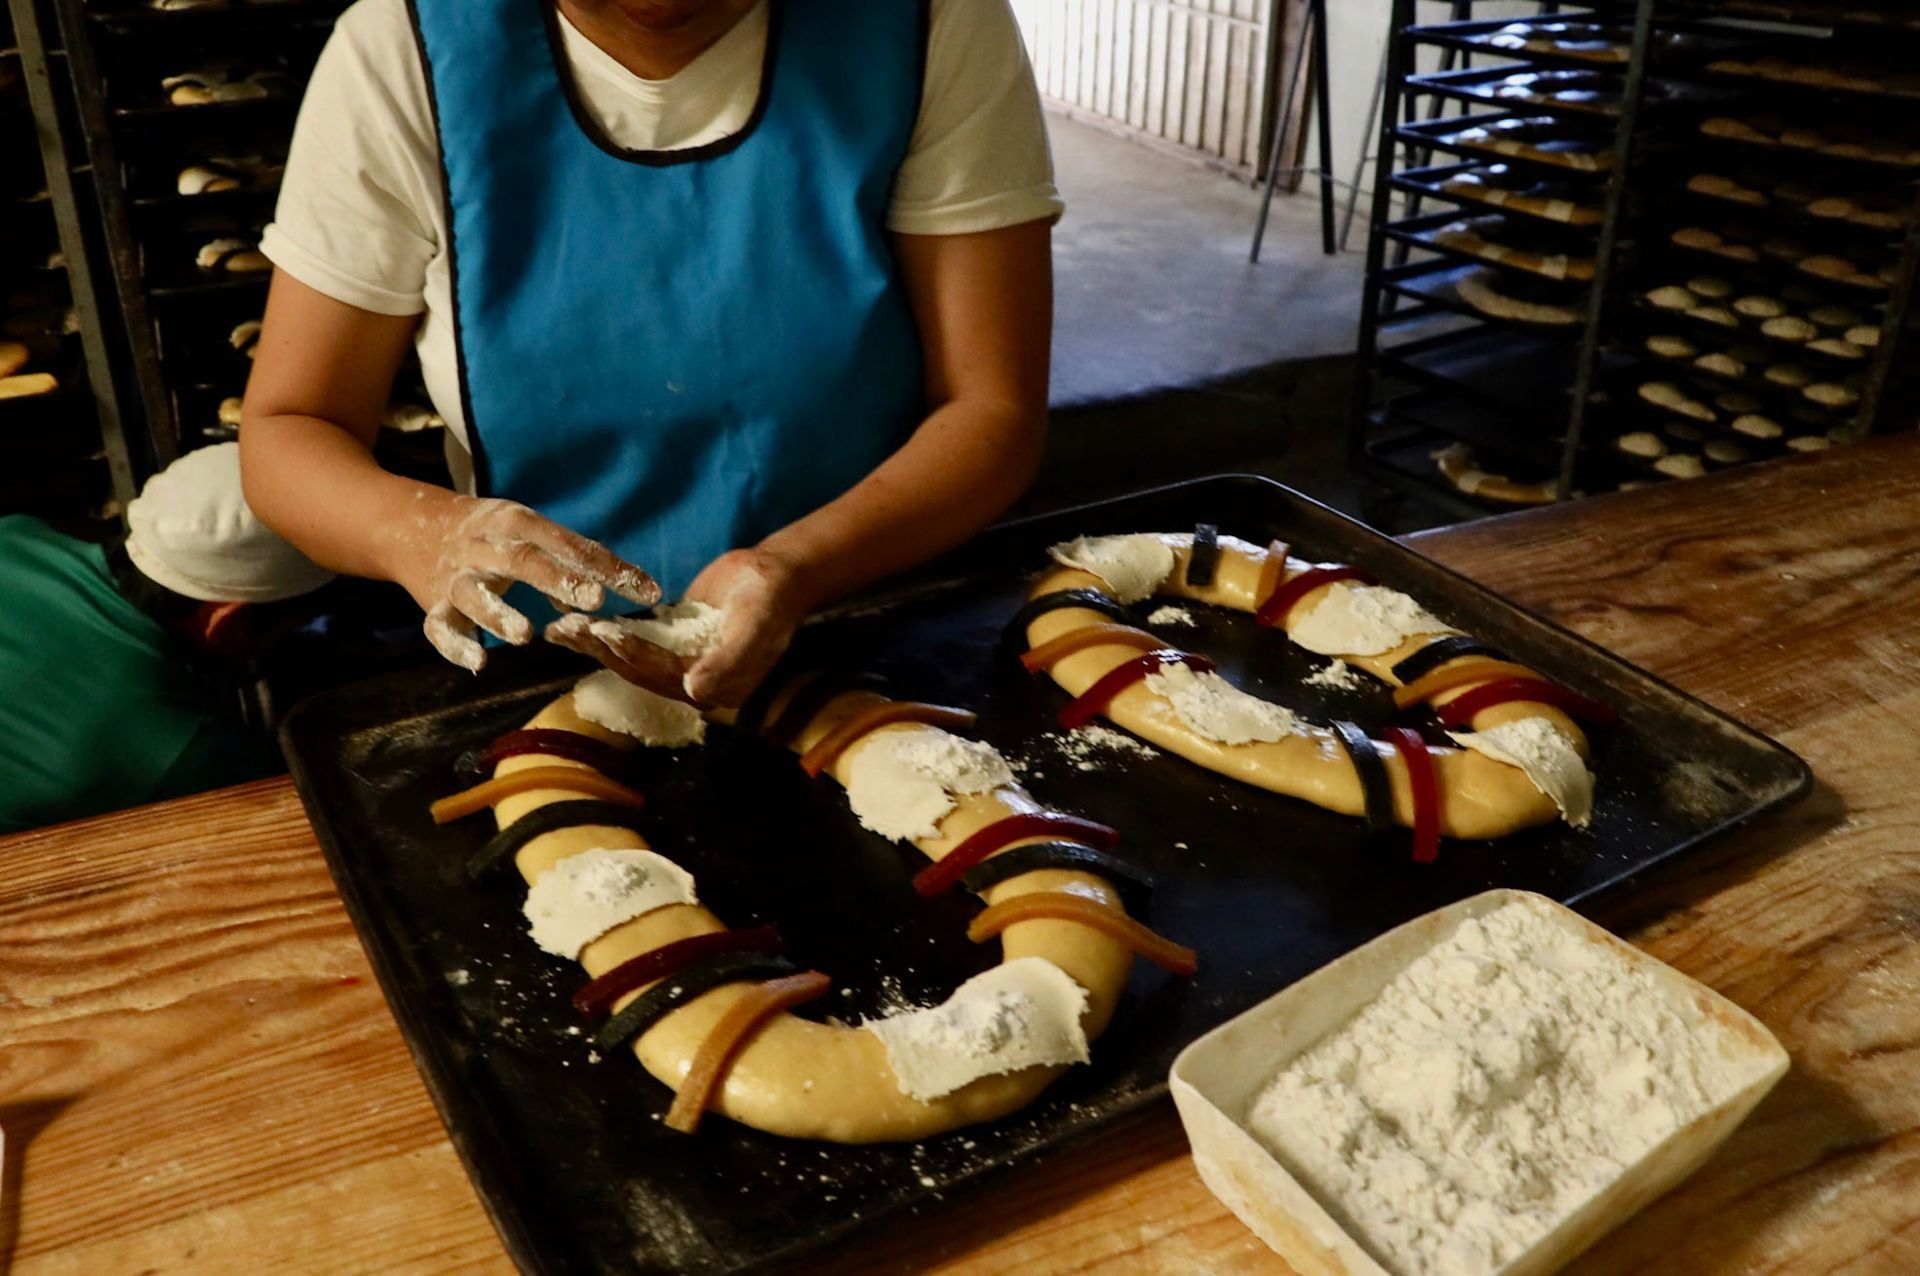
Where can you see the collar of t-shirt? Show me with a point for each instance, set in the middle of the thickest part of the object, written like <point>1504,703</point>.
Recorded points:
<point>710,98</point>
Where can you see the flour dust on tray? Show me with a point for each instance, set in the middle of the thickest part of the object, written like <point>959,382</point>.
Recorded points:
<point>1337,676</point>
<point>1088,748</point>
<point>1490,1089</point>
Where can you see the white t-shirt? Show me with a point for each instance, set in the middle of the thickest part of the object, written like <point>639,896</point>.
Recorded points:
<point>360,216</point>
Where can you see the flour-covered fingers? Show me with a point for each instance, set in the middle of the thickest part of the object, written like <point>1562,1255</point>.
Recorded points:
<point>476,595</point>
<point>587,558</point>
<point>638,661</point>
<point>533,565</point>
<point>751,641</point>
<point>452,635</point>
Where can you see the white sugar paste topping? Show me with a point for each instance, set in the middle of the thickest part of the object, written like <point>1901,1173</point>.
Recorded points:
<point>1021,1014</point>
<point>608,700</point>
<point>1362,620</point>
<point>1212,707</point>
<point>1548,757</point>
<point>1133,567</point>
<point>901,783</point>
<point>586,895</point>
<point>685,629</point>
<point>1170,615</point>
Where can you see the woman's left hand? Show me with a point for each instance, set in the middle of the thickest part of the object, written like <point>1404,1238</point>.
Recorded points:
<point>763,597</point>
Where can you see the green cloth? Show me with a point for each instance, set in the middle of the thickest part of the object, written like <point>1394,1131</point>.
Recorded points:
<point>99,708</point>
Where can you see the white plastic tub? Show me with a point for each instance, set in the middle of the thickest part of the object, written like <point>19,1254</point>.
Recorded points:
<point>1216,1079</point>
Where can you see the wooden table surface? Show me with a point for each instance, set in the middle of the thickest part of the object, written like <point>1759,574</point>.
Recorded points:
<point>197,1072</point>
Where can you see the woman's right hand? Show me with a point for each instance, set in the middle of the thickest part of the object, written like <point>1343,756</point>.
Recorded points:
<point>459,554</point>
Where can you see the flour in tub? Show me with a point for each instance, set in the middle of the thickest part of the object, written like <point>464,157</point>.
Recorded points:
<point>1491,1088</point>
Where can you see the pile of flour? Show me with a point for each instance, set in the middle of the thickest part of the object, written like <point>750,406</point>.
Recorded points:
<point>1488,1091</point>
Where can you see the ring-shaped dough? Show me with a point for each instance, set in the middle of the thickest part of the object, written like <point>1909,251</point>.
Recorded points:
<point>795,1077</point>
<point>1479,797</point>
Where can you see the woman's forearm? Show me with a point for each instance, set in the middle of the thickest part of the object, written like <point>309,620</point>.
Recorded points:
<point>984,307</point>
<point>320,487</point>
<point>967,462</point>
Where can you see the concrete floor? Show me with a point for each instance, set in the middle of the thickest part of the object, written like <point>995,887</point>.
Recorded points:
<point>1174,356</point>
<point>1153,285</point>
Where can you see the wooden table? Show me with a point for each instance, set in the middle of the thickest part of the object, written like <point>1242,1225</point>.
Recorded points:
<point>197,1072</point>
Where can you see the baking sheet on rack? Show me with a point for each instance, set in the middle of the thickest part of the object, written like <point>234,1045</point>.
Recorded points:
<point>566,1147</point>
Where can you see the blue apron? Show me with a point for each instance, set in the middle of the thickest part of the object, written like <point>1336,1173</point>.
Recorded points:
<point>678,352</point>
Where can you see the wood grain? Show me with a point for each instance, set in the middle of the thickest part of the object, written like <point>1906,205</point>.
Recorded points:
<point>198,1074</point>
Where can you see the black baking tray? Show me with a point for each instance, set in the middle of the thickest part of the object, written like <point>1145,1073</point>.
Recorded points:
<point>569,1155</point>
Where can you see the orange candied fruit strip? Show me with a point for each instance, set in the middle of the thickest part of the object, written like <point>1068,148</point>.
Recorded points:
<point>710,1061</point>
<point>1271,572</point>
<point>1050,653</point>
<point>574,779</point>
<point>1421,690</point>
<point>1062,906</point>
<point>872,718</point>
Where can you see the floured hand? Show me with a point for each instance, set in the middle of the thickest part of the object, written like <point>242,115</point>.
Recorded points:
<point>627,654</point>
<point>462,553</point>
<point>762,599</point>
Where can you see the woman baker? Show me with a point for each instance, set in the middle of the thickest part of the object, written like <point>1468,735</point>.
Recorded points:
<point>751,299</point>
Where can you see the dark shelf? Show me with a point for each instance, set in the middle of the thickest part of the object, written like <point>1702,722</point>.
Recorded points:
<point>1433,284</point>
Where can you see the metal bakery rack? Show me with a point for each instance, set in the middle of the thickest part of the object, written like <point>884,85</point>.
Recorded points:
<point>185,110</point>
<point>1623,242</point>
<point>166,125</point>
<point>63,453</point>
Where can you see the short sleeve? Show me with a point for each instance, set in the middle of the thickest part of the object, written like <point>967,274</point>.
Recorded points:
<point>358,216</point>
<point>979,158</point>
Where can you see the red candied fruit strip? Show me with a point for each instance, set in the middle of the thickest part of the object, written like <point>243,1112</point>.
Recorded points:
<point>570,745</point>
<point>657,963</point>
<point>1097,697</point>
<point>1280,603</point>
<point>950,868</point>
<point>1459,711</point>
<point>1426,792</point>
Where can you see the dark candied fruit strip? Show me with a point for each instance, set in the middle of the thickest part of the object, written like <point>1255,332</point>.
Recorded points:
<point>581,780</point>
<point>554,816</point>
<point>1204,558</point>
<point>952,866</point>
<point>837,741</point>
<point>813,697</point>
<point>1097,697</point>
<point>1459,711</point>
<point>1426,792</point>
<point>1280,604</point>
<point>708,1068</point>
<point>696,980</point>
<point>1441,650</point>
<point>1073,857</point>
<point>753,710</point>
<point>596,996</point>
<point>551,742</point>
<point>1015,635</point>
<point>1376,787</point>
